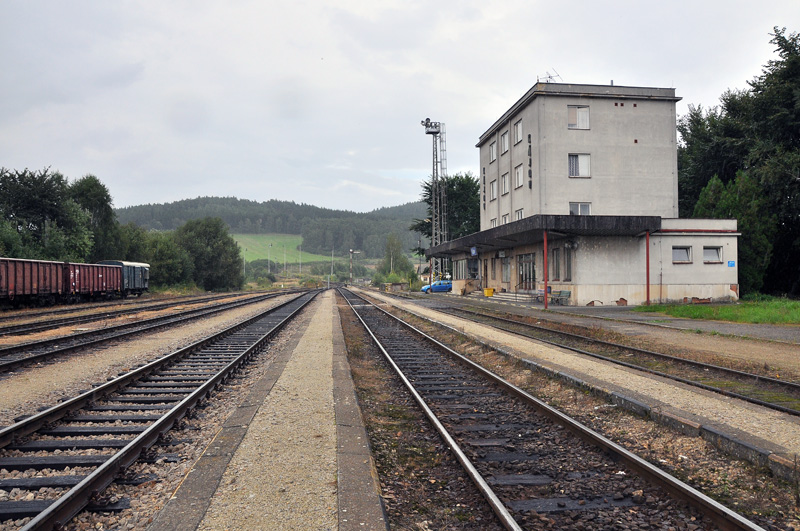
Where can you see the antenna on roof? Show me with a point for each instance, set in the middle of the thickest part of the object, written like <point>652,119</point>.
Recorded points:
<point>549,78</point>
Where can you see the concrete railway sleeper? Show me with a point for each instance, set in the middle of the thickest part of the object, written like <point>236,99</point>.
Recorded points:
<point>537,467</point>
<point>780,395</point>
<point>100,433</point>
<point>37,351</point>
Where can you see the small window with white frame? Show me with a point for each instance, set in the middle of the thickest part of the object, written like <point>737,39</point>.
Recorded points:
<point>681,254</point>
<point>493,152</point>
<point>518,132</point>
<point>493,190</point>
<point>504,142</point>
<point>505,219</point>
<point>504,184</point>
<point>580,165</point>
<point>492,223</point>
<point>712,255</point>
<point>580,209</point>
<point>578,116</point>
<point>518,215</point>
<point>519,176</point>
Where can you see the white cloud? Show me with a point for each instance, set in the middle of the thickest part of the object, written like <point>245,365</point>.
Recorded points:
<point>319,102</point>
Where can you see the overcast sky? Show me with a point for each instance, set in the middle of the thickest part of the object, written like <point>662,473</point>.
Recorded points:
<point>321,102</point>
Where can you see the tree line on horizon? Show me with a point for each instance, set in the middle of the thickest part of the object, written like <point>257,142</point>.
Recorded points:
<point>44,216</point>
<point>322,229</point>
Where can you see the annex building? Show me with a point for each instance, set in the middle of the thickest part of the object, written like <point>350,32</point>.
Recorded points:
<point>579,193</point>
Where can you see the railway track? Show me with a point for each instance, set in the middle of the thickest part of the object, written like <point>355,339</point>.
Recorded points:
<point>31,327</point>
<point>100,433</point>
<point>16,356</point>
<point>774,393</point>
<point>536,467</point>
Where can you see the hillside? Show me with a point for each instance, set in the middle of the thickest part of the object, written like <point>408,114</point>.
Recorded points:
<point>322,229</point>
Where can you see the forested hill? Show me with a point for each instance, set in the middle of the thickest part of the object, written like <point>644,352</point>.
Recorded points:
<point>322,229</point>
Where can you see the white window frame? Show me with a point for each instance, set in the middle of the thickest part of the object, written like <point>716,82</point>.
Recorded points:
<point>518,132</point>
<point>493,190</point>
<point>492,223</point>
<point>493,152</point>
<point>580,209</point>
<point>578,117</point>
<point>684,255</point>
<point>519,176</point>
<point>717,250</point>
<point>505,219</point>
<point>579,164</point>
<point>504,184</point>
<point>504,143</point>
<point>518,215</point>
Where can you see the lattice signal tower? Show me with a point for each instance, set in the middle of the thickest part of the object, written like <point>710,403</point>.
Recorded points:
<point>438,192</point>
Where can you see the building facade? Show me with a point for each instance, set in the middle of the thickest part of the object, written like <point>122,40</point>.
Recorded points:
<point>584,178</point>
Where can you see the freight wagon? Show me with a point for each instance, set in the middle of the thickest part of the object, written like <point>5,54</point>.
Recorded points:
<point>29,282</point>
<point>135,276</point>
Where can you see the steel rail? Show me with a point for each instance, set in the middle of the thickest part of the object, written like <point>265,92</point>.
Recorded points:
<point>125,330</point>
<point>724,517</point>
<point>74,500</point>
<point>497,505</point>
<point>697,364</point>
<point>49,324</point>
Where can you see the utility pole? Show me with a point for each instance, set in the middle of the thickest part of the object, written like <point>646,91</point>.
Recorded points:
<point>352,252</point>
<point>269,263</point>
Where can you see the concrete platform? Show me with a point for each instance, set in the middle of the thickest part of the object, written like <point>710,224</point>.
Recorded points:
<point>357,499</point>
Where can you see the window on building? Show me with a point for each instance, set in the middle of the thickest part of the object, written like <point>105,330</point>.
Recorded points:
<point>504,142</point>
<point>712,255</point>
<point>506,265</point>
<point>578,116</point>
<point>494,270</point>
<point>459,269</point>
<point>580,209</point>
<point>518,215</point>
<point>493,190</point>
<point>493,152</point>
<point>681,255</point>
<point>555,264</point>
<point>519,176</point>
<point>505,219</point>
<point>493,223</point>
<point>518,132</point>
<point>579,165</point>
<point>504,184</point>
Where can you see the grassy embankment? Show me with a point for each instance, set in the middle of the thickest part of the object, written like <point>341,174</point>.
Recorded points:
<point>761,309</point>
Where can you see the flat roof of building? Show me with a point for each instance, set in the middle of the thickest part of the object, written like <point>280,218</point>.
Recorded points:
<point>587,91</point>
<point>531,230</point>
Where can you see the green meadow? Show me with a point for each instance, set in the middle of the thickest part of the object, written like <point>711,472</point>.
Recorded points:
<point>760,309</point>
<point>257,247</point>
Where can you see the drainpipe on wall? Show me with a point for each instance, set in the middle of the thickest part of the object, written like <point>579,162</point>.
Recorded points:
<point>545,270</point>
<point>647,255</point>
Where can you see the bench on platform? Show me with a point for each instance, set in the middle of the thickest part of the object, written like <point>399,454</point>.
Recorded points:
<point>560,297</point>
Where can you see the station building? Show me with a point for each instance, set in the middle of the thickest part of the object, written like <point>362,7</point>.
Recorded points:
<point>579,193</point>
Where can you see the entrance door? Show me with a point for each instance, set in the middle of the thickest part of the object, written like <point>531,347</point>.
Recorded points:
<point>527,275</point>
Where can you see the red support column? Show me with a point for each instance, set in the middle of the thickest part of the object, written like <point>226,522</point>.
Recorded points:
<point>545,270</point>
<point>647,255</point>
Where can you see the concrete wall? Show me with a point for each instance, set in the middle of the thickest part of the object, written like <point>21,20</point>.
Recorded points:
<point>613,270</point>
<point>631,141</point>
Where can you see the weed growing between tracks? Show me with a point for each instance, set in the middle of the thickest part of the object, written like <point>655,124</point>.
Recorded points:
<point>422,484</point>
<point>752,491</point>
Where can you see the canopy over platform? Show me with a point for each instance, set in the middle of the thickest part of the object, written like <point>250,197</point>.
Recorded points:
<point>531,230</point>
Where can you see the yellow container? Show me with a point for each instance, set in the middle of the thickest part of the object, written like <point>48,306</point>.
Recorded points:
<point>488,292</point>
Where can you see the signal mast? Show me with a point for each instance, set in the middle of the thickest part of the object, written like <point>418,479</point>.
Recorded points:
<point>438,193</point>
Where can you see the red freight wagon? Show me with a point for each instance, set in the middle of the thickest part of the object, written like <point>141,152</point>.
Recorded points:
<point>92,280</point>
<point>22,281</point>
